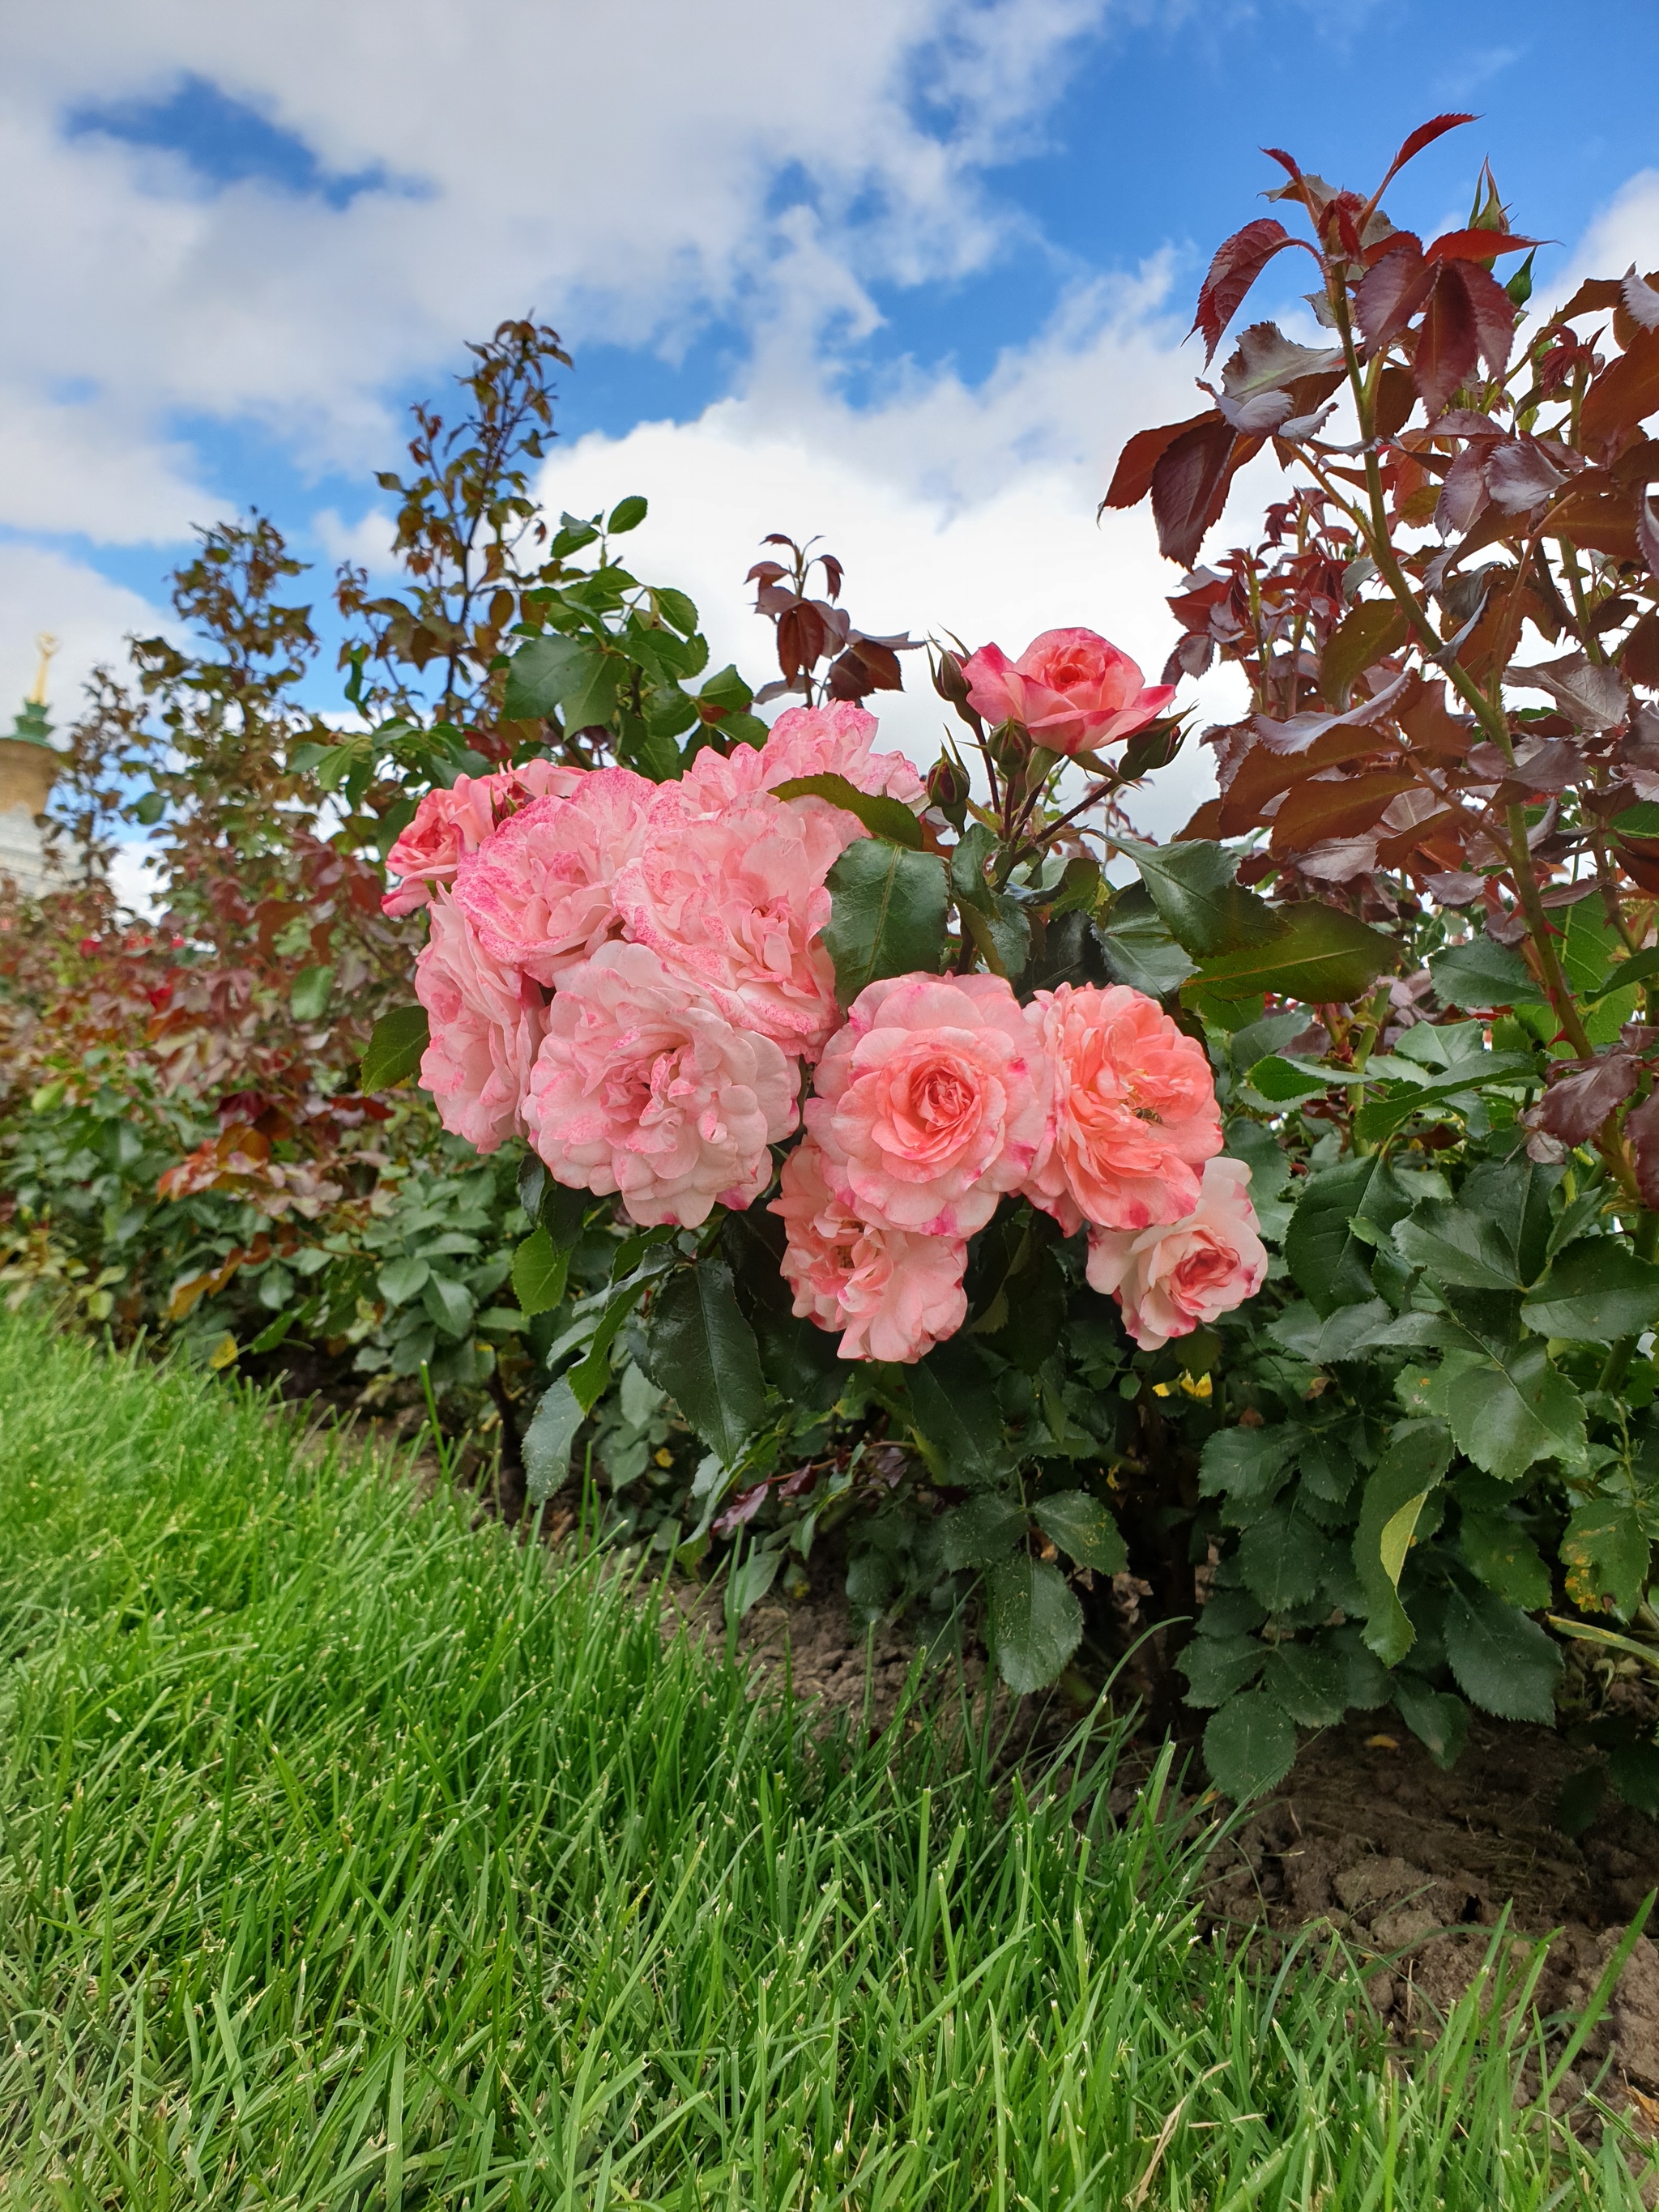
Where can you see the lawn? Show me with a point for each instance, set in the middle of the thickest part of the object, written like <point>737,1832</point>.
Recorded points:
<point>355,1856</point>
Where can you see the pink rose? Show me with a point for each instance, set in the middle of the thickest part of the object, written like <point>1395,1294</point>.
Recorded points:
<point>894,1295</point>
<point>932,1102</point>
<point>449,824</point>
<point>832,740</point>
<point>485,1023</point>
<point>641,1087</point>
<point>1071,689</point>
<point>539,892</point>
<point>734,901</point>
<point>1171,1278</point>
<point>1134,1110</point>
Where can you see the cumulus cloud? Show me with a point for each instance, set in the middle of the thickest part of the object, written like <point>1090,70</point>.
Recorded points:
<point>500,159</point>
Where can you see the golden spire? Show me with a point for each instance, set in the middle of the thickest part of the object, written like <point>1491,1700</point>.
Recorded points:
<point>46,645</point>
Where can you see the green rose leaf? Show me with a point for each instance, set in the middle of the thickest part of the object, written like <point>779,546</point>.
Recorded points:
<point>1084,1530</point>
<point>981,1532</point>
<point>308,999</point>
<point>1457,1246</point>
<point>395,1049</point>
<point>1247,1464</point>
<point>958,1422</point>
<point>628,515</point>
<point>1249,1745</point>
<point>539,1268</point>
<point>1138,948</point>
<point>1283,1558</point>
<point>449,1305</point>
<point>1607,1550</point>
<point>1309,1681</point>
<point>1438,1720</point>
<point>1320,955</point>
<point>548,1440</point>
<point>1036,1622</point>
<point>703,1353</point>
<point>540,674</point>
<point>1395,1493</point>
<point>887,914</point>
<point>401,1279</point>
<point>1481,974</point>
<point>881,815</point>
<point>1596,1291</point>
<point>1380,1117</point>
<point>1191,885</point>
<point>1499,1552</point>
<point>1329,1262</point>
<point>1507,1412</point>
<point>1218,1667</point>
<point>1503,1660</point>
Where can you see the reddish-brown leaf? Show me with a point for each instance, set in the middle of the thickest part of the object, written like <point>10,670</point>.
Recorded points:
<point>1641,1128</point>
<point>1647,534</point>
<point>1415,141</point>
<point>1477,244</point>
<point>1447,345</point>
<point>1316,811</point>
<point>1575,1108</point>
<point>1493,310</point>
<point>1239,260</point>
<point>1131,479</point>
<point>1395,398</point>
<point>1593,297</point>
<point>1392,292</point>
<point>1625,393</point>
<point>1595,518</point>
<point>1640,658</point>
<point>1189,486</point>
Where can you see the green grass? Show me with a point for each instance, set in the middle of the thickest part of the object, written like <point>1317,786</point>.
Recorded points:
<point>350,1856</point>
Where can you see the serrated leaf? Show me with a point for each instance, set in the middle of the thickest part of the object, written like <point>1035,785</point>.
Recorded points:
<point>887,914</point>
<point>628,513</point>
<point>394,1052</point>
<point>1192,886</point>
<point>703,1353</point>
<point>1282,1558</point>
<point>881,815</point>
<point>1247,1464</point>
<point>1596,1291</point>
<point>981,1532</point>
<point>1319,955</point>
<point>400,1280</point>
<point>1311,1681</point>
<point>1633,1770</point>
<point>1218,1667</point>
<point>1501,1554</point>
<point>1329,1264</point>
<point>1457,1246</point>
<point>1503,1661</point>
<point>548,1440</point>
<point>540,674</point>
<point>449,1305</point>
<point>1305,1333</point>
<point>1036,1622</point>
<point>1482,975</point>
<point>1137,948</point>
<point>1508,1413</point>
<point>1084,1530</point>
<point>1439,1720</point>
<point>1379,1117</point>
<point>958,1422</point>
<point>308,999</point>
<point>1249,1745</point>
<point>1607,1552</point>
<point>1395,1493</point>
<point>539,1269</point>
<point>1366,633</point>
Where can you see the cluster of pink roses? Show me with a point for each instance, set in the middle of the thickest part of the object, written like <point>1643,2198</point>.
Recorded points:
<point>633,977</point>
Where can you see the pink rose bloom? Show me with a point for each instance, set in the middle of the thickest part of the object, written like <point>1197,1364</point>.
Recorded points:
<point>732,902</point>
<point>1171,1278</point>
<point>1134,1110</point>
<point>539,892</point>
<point>932,1102</point>
<point>641,1087</point>
<point>449,824</point>
<point>893,1295</point>
<point>1071,689</point>
<point>485,1023</point>
<point>832,740</point>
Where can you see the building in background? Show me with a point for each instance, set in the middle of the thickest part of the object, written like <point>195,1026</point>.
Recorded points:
<point>28,767</point>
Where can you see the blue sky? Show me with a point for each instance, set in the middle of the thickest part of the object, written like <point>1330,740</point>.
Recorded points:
<point>907,270</point>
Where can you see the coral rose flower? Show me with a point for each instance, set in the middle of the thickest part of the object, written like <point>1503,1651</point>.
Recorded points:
<point>539,892</point>
<point>830,740</point>
<point>1071,689</point>
<point>449,825</point>
<point>894,1295</point>
<point>733,903</point>
<point>932,1102</point>
<point>641,1087</point>
<point>485,1022</point>
<point>1134,1110</point>
<point>1172,1278</point>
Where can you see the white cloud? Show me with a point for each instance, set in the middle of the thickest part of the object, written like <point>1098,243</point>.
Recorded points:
<point>959,510</point>
<point>629,202</point>
<point>43,590</point>
<point>1624,232</point>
